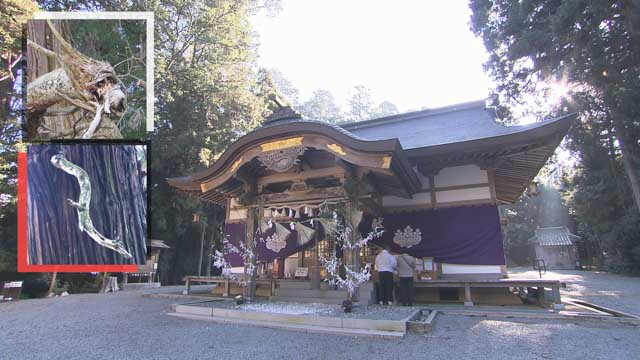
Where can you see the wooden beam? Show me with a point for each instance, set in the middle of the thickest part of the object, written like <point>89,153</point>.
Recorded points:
<point>432,191</point>
<point>335,171</point>
<point>492,183</point>
<point>320,142</point>
<point>301,196</point>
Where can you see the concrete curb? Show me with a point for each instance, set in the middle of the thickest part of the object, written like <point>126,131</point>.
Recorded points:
<point>296,327</point>
<point>565,316</point>
<point>395,328</point>
<point>600,308</point>
<point>421,327</point>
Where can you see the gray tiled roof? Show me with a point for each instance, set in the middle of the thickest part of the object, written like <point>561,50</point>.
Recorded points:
<point>451,124</point>
<point>554,236</point>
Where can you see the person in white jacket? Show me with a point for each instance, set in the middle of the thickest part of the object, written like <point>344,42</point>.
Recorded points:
<point>386,264</point>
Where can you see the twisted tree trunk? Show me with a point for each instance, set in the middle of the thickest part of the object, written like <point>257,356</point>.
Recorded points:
<point>52,111</point>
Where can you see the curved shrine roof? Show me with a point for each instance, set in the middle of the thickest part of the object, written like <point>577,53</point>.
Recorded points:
<point>430,138</point>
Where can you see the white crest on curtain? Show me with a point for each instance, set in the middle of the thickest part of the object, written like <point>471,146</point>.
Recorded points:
<point>408,237</point>
<point>275,243</point>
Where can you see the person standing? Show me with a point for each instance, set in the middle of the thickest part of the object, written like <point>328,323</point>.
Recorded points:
<point>386,264</point>
<point>406,268</point>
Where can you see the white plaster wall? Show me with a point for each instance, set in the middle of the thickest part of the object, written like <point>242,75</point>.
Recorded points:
<point>470,269</point>
<point>447,196</point>
<point>461,175</point>
<point>235,212</point>
<point>418,199</point>
<point>290,265</point>
<point>424,180</point>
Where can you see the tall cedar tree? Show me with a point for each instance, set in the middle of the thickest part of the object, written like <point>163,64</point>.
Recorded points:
<point>209,92</point>
<point>593,46</point>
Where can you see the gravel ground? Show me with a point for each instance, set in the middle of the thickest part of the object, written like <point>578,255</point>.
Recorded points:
<point>374,312</point>
<point>127,325</point>
<point>610,290</point>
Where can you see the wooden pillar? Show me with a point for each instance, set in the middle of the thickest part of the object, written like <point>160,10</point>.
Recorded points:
<point>227,287</point>
<point>315,268</point>
<point>53,282</point>
<point>250,277</point>
<point>352,256</point>
<point>468,301</point>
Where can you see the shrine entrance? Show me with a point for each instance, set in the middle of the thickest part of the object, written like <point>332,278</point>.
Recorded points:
<point>438,196</point>
<point>276,180</point>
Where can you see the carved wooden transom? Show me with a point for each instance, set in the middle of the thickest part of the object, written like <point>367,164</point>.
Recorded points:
<point>281,160</point>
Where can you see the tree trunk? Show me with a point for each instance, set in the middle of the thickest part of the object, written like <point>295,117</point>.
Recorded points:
<point>612,160</point>
<point>628,159</point>
<point>38,64</point>
<point>117,209</point>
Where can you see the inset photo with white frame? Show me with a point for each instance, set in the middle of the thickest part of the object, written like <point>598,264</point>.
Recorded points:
<point>89,76</point>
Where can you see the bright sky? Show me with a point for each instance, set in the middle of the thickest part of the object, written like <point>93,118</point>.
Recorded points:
<point>413,53</point>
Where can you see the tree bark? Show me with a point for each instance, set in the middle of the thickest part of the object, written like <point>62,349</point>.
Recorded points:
<point>628,159</point>
<point>38,64</point>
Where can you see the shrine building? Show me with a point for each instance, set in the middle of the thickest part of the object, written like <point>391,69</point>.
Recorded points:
<point>435,178</point>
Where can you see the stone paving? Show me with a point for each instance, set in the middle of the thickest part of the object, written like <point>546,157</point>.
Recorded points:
<point>601,288</point>
<point>129,325</point>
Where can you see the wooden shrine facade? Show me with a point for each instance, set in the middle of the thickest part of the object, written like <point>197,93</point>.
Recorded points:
<point>431,160</point>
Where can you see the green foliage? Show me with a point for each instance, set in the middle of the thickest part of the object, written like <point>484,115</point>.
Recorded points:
<point>592,50</point>
<point>121,43</point>
<point>360,104</point>
<point>14,14</point>
<point>322,106</point>
<point>209,94</point>
<point>385,108</point>
<point>284,86</point>
<point>546,209</point>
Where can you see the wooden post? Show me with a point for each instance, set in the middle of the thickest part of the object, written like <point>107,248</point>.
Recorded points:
<point>556,294</point>
<point>467,295</point>
<point>315,269</point>
<point>250,278</point>
<point>53,281</point>
<point>352,256</point>
<point>204,229</point>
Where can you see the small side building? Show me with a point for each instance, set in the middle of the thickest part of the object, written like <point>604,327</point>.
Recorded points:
<point>148,270</point>
<point>556,246</point>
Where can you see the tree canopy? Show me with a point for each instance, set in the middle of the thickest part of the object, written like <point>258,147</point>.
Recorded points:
<point>557,56</point>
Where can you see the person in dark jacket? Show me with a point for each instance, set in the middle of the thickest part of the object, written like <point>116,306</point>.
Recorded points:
<point>406,269</point>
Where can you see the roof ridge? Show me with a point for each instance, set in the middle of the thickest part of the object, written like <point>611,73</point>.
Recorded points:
<point>413,114</point>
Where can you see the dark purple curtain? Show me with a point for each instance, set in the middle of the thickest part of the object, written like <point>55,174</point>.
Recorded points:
<point>236,233</point>
<point>462,235</point>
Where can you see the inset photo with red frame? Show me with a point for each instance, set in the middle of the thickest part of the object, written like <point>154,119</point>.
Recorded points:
<point>85,204</point>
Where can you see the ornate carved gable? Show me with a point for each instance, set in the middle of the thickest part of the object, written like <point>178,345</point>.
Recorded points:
<point>281,160</point>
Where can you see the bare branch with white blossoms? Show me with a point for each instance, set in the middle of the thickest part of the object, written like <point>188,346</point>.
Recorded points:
<point>245,252</point>
<point>352,279</point>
